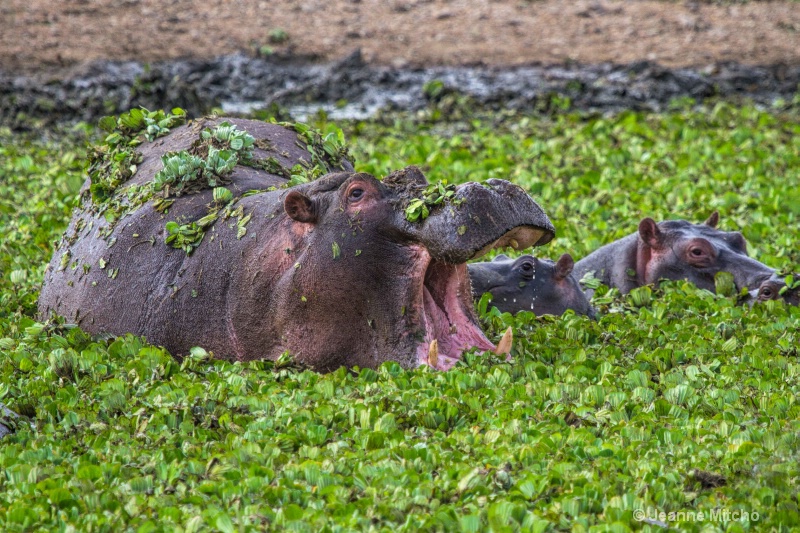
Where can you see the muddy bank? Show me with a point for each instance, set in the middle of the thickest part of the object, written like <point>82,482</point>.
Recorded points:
<point>353,89</point>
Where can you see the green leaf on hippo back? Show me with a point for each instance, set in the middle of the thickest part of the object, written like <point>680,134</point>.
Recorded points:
<point>724,284</point>
<point>133,119</point>
<point>222,195</point>
<point>107,124</point>
<point>336,250</point>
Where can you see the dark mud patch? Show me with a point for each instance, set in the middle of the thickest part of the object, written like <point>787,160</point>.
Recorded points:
<point>353,89</point>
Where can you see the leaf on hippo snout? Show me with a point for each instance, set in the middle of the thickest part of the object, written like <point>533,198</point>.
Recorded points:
<point>791,284</point>
<point>462,230</point>
<point>724,284</point>
<point>336,250</point>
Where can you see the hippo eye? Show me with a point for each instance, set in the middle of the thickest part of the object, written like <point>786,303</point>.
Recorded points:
<point>526,268</point>
<point>766,292</point>
<point>697,252</point>
<point>356,194</point>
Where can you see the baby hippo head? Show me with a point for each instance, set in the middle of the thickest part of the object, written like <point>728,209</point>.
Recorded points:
<point>528,283</point>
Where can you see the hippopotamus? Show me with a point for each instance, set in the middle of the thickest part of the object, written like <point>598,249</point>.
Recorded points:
<point>331,270</point>
<point>528,283</point>
<point>677,250</point>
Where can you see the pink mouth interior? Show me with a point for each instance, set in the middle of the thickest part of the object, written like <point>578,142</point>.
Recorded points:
<point>448,315</point>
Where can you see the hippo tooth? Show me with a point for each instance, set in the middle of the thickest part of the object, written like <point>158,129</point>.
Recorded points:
<point>433,353</point>
<point>504,346</point>
<point>514,244</point>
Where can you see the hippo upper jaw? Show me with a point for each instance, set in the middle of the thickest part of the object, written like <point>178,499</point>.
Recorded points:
<point>482,217</point>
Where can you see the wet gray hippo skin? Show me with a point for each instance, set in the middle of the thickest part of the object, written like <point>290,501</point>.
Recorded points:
<point>676,250</point>
<point>530,284</point>
<point>330,271</point>
<point>6,413</point>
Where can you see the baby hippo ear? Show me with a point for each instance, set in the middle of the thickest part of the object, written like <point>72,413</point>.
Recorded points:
<point>299,207</point>
<point>649,232</point>
<point>500,257</point>
<point>712,220</point>
<point>564,266</point>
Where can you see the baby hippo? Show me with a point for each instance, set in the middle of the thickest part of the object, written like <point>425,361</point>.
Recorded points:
<point>530,284</point>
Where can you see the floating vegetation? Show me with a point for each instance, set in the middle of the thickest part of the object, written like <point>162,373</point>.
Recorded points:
<point>435,194</point>
<point>188,236</point>
<point>688,401</point>
<point>114,162</point>
<point>208,163</point>
<point>328,152</point>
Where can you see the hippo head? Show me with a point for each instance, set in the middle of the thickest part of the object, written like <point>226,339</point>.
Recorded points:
<point>528,283</point>
<point>677,249</point>
<point>774,288</point>
<point>370,286</point>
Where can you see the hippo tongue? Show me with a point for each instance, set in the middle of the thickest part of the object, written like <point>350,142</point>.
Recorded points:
<point>448,317</point>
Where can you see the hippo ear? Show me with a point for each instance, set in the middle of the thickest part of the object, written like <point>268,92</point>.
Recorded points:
<point>299,207</point>
<point>564,266</point>
<point>500,257</point>
<point>713,220</point>
<point>649,233</point>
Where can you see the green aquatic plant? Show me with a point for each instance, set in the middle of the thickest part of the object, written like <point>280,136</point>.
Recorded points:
<point>114,161</point>
<point>435,194</point>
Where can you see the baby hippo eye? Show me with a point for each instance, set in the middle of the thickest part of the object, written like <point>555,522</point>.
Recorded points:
<point>356,194</point>
<point>526,267</point>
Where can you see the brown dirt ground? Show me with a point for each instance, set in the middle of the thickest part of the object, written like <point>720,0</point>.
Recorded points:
<point>38,33</point>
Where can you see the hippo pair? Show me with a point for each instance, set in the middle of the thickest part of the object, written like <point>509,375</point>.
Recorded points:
<point>674,249</point>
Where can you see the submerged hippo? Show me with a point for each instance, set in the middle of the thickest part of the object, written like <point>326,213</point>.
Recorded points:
<point>676,250</point>
<point>10,418</point>
<point>331,271</point>
<point>774,288</point>
<point>530,284</point>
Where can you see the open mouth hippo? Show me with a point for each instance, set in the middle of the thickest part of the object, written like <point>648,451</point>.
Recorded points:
<point>678,250</point>
<point>331,271</point>
<point>527,283</point>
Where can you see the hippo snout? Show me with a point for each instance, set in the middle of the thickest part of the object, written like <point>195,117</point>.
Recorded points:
<point>484,216</point>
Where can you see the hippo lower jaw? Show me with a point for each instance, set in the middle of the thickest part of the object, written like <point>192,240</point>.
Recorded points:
<point>443,305</point>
